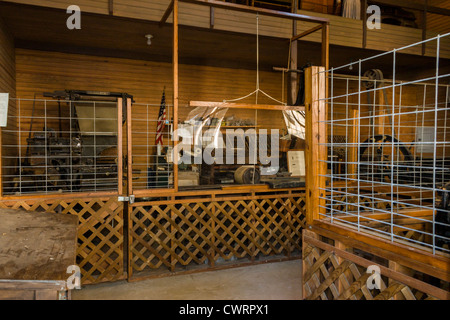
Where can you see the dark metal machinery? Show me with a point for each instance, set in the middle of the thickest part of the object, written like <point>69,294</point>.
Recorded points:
<point>73,158</point>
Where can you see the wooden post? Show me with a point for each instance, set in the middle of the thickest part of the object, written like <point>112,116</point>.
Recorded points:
<point>304,265</point>
<point>353,149</point>
<point>1,162</point>
<point>364,22</point>
<point>119,146</point>
<point>175,123</point>
<point>293,76</point>
<point>129,150</point>
<point>424,28</point>
<point>326,45</point>
<point>175,93</point>
<point>212,261</point>
<point>326,53</point>
<point>316,139</point>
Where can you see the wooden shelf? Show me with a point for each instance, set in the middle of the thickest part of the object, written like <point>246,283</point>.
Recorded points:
<point>245,106</point>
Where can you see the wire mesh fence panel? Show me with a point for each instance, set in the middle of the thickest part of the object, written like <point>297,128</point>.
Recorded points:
<point>390,174</point>
<point>152,146</point>
<point>60,146</point>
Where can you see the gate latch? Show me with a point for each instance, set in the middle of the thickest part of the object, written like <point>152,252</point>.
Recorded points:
<point>129,199</point>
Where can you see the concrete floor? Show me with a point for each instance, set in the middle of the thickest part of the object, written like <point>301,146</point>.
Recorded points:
<point>271,281</point>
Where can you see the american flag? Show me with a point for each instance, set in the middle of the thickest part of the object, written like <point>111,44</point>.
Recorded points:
<point>161,120</point>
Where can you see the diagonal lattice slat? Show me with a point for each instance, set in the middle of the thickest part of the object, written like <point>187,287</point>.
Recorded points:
<point>183,233</point>
<point>326,277</point>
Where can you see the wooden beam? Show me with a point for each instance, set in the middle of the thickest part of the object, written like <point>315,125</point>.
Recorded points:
<point>111,7</point>
<point>316,139</point>
<point>379,215</point>
<point>407,4</point>
<point>420,260</point>
<point>261,11</point>
<point>1,162</point>
<point>244,106</point>
<point>308,32</point>
<point>409,281</point>
<point>129,150</point>
<point>353,151</point>
<point>292,85</point>
<point>166,14</point>
<point>175,91</point>
<point>424,28</point>
<point>326,46</point>
<point>120,146</point>
<point>211,18</point>
<point>364,22</point>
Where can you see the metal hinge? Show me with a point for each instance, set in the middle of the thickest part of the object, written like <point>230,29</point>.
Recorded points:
<point>129,199</point>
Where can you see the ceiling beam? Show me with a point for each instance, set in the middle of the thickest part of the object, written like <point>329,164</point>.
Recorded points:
<point>166,14</point>
<point>308,32</point>
<point>248,9</point>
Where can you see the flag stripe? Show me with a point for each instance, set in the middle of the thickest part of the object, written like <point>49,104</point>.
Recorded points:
<point>161,120</point>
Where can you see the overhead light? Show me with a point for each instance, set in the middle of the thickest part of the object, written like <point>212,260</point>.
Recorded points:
<point>149,39</point>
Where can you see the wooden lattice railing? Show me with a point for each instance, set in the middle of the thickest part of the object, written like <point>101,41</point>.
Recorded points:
<point>332,271</point>
<point>173,235</point>
<point>100,252</point>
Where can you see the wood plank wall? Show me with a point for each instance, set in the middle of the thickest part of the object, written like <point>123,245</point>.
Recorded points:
<point>39,71</point>
<point>438,23</point>
<point>8,85</point>
<point>343,31</point>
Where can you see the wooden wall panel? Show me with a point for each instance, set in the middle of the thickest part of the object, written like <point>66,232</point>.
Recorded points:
<point>391,37</point>
<point>408,98</point>
<point>39,71</point>
<point>96,6</point>
<point>140,9</point>
<point>444,46</point>
<point>8,85</point>
<point>321,6</point>
<point>343,31</point>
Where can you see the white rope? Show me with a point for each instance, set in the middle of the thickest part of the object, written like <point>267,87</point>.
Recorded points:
<point>280,102</point>
<point>257,56</point>
<point>258,90</point>
<point>241,98</point>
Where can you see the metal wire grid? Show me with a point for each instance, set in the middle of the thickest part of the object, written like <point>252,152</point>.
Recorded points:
<point>151,169</point>
<point>393,177</point>
<point>60,146</point>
